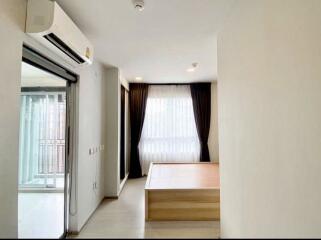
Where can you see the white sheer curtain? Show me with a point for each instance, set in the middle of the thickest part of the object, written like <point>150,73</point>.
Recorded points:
<point>169,132</point>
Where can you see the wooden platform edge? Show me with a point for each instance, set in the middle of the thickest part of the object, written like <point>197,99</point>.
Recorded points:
<point>185,205</point>
<point>208,215</point>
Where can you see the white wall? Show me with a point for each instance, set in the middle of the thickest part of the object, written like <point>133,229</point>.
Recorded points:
<point>112,85</point>
<point>12,15</point>
<point>213,135</point>
<point>90,120</point>
<point>113,82</point>
<point>269,84</point>
<point>91,134</point>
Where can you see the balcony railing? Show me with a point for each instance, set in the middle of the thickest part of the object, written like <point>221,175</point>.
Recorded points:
<point>42,138</point>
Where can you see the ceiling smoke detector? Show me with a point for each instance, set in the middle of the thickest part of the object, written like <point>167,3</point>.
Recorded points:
<point>139,4</point>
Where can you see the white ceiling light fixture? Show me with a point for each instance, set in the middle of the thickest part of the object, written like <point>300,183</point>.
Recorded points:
<point>193,68</point>
<point>139,4</point>
<point>138,78</point>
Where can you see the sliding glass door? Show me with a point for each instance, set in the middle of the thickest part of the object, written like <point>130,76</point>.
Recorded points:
<point>45,150</point>
<point>42,134</point>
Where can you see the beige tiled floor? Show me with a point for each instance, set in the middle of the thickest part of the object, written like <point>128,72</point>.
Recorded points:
<point>124,218</point>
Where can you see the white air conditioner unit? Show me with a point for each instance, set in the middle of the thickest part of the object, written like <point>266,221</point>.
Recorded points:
<point>50,25</point>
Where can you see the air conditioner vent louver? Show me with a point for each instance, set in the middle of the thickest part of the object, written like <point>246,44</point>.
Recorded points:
<point>48,24</point>
<point>51,37</point>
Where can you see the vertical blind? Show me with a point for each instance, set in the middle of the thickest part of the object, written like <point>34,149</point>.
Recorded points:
<point>169,132</point>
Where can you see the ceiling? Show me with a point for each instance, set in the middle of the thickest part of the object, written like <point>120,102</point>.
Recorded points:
<point>157,44</point>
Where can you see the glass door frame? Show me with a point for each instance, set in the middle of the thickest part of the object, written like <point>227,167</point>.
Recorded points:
<point>38,60</point>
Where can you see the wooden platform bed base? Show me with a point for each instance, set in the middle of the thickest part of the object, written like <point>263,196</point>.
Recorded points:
<point>182,192</point>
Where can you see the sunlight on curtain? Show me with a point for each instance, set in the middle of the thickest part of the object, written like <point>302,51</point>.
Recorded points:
<point>169,132</point>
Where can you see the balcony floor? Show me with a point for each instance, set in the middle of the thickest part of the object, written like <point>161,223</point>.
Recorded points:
<point>41,215</point>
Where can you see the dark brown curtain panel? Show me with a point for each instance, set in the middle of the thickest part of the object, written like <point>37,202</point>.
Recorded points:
<point>201,96</point>
<point>137,101</point>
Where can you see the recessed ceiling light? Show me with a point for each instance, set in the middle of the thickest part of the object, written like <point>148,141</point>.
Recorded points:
<point>193,68</point>
<point>138,78</point>
<point>190,69</point>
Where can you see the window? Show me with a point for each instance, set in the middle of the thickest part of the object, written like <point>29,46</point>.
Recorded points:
<point>169,132</point>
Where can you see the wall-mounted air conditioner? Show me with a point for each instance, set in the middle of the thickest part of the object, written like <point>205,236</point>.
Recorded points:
<point>50,25</point>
